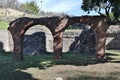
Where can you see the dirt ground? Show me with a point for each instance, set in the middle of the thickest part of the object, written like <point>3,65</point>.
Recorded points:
<point>102,71</point>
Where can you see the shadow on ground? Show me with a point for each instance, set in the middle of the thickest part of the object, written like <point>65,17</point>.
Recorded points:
<point>12,70</point>
<point>112,57</point>
<point>111,76</point>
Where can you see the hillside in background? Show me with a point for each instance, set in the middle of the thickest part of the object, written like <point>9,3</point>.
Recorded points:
<point>10,12</point>
<point>13,13</point>
<point>8,15</point>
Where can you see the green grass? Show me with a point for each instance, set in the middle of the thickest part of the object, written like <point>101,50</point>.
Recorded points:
<point>47,59</point>
<point>4,25</point>
<point>44,67</point>
<point>113,55</point>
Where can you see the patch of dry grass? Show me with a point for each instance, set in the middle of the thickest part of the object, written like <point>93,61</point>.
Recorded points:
<point>106,71</point>
<point>14,13</point>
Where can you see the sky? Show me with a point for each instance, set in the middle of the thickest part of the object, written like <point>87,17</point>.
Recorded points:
<point>70,7</point>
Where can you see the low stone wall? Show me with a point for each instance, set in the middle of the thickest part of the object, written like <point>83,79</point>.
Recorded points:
<point>113,42</point>
<point>80,41</point>
<point>38,41</point>
<point>69,37</point>
<point>34,44</point>
<point>113,38</point>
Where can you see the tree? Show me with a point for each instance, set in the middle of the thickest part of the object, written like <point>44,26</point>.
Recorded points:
<point>31,7</point>
<point>12,4</point>
<point>8,3</point>
<point>109,7</point>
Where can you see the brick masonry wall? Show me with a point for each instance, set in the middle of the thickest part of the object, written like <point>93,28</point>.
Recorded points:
<point>32,43</point>
<point>113,39</point>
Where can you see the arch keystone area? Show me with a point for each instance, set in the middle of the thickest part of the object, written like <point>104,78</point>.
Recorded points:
<point>57,26</point>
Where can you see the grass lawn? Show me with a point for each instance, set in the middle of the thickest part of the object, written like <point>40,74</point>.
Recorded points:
<point>4,25</point>
<point>71,67</point>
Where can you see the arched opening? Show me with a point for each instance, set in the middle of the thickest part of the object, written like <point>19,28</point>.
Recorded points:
<point>37,40</point>
<point>19,26</point>
<point>80,38</point>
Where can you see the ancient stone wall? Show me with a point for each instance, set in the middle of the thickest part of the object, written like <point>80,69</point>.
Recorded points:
<point>80,41</point>
<point>113,38</point>
<point>57,25</point>
<point>34,44</point>
<point>71,41</point>
<point>37,41</point>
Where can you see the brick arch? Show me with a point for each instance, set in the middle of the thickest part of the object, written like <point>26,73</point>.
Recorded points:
<point>99,25</point>
<point>57,26</point>
<point>19,26</point>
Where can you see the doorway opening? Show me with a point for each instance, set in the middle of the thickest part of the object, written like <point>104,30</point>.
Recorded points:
<point>37,40</point>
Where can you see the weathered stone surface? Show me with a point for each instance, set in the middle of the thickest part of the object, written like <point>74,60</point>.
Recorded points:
<point>57,26</point>
<point>113,38</point>
<point>113,43</point>
<point>114,29</point>
<point>69,38</point>
<point>6,42</point>
<point>34,44</point>
<point>85,42</point>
